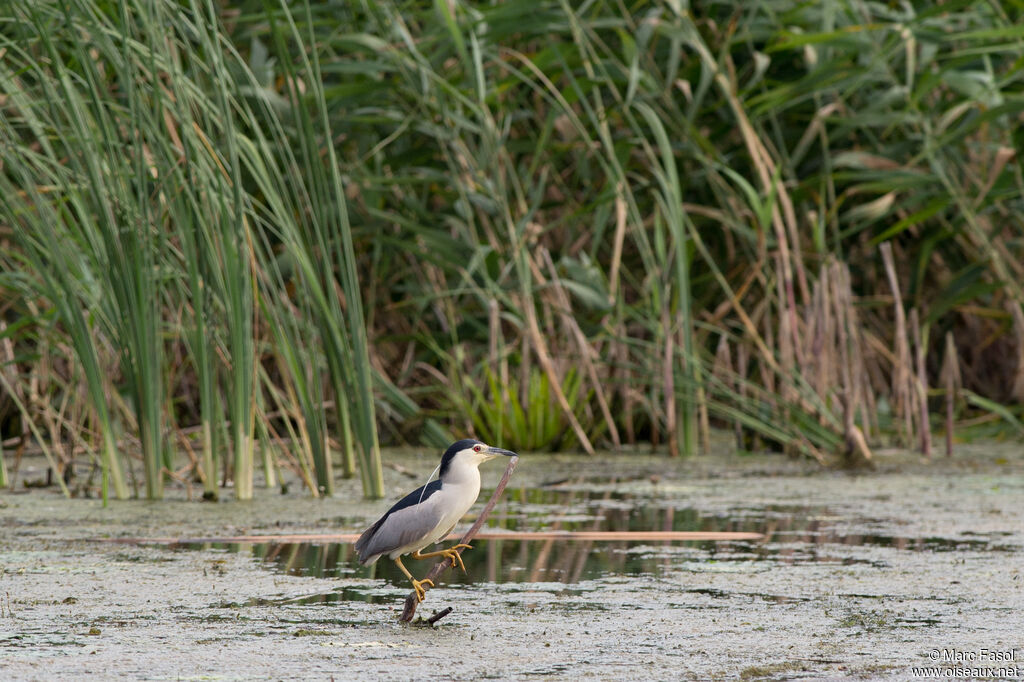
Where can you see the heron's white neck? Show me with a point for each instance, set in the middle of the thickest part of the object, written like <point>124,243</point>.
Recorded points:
<point>463,472</point>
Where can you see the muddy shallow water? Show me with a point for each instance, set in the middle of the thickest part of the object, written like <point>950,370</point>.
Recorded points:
<point>864,575</point>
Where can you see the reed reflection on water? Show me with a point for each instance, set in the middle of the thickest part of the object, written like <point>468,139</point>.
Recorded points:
<point>792,535</point>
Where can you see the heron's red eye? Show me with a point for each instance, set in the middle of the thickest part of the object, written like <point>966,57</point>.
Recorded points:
<point>478,448</point>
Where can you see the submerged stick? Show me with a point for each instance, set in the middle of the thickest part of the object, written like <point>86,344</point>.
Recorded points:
<point>439,615</point>
<point>411,602</point>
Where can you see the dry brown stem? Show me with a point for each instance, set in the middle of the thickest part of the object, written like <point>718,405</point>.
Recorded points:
<point>902,381</point>
<point>951,380</point>
<point>922,386</point>
<point>540,347</point>
<point>586,351</point>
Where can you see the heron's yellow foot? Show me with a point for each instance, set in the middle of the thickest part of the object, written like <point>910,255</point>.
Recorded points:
<point>456,556</point>
<point>417,585</point>
<point>449,553</point>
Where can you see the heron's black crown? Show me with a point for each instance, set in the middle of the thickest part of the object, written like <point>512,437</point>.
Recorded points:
<point>454,449</point>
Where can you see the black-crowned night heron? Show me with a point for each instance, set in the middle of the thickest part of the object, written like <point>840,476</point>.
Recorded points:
<point>429,513</point>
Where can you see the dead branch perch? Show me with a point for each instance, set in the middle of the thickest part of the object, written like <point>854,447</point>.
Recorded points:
<point>411,602</point>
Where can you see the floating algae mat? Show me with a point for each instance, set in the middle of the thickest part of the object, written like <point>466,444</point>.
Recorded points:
<point>855,576</point>
<point>569,535</point>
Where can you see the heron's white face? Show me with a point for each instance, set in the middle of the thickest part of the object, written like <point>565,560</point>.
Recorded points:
<point>477,454</point>
<point>457,463</point>
<point>465,461</point>
<point>480,453</point>
<point>472,456</point>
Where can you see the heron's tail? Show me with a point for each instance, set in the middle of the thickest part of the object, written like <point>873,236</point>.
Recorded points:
<point>363,542</point>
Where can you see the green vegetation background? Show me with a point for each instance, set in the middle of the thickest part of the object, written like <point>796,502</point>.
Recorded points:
<point>262,235</point>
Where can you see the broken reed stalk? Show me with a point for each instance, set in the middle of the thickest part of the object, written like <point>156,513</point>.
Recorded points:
<point>922,386</point>
<point>410,601</point>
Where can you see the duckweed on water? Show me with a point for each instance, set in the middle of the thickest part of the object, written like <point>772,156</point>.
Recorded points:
<point>856,576</point>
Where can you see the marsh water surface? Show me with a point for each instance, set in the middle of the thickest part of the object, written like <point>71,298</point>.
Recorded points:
<point>857,574</point>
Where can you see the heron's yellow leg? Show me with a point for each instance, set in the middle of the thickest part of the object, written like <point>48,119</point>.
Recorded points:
<point>417,585</point>
<point>450,553</point>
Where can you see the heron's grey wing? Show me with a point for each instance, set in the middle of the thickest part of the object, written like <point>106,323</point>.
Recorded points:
<point>412,517</point>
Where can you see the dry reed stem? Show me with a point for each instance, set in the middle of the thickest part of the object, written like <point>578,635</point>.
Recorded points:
<point>768,377</point>
<point>411,601</point>
<point>858,447</point>
<point>902,381</point>
<point>922,386</point>
<point>668,378</point>
<point>741,386</point>
<point>10,369</point>
<point>1018,335</point>
<point>525,368</point>
<point>494,333</point>
<point>620,236</point>
<point>724,370</point>
<point>817,336</point>
<point>846,339</point>
<point>951,380</point>
<point>1002,157</point>
<point>863,399</point>
<point>541,349</point>
<point>842,341</point>
<point>787,354</point>
<point>586,351</point>
<point>857,368</point>
<point>734,296</point>
<point>783,221</point>
<point>705,419</point>
<point>621,352</point>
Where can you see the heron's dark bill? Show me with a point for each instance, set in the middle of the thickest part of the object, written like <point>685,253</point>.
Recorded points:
<point>499,451</point>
